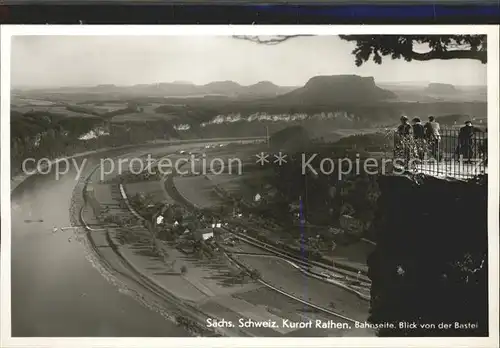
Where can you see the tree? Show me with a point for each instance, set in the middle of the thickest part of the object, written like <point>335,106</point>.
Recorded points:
<point>436,47</point>
<point>254,274</point>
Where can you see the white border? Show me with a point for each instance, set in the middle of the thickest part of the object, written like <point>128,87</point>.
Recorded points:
<point>493,217</point>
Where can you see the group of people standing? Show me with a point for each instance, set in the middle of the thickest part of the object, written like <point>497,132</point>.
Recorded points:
<point>426,137</point>
<point>419,140</point>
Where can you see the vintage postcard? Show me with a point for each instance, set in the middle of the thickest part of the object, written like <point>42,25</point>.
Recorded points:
<point>249,186</point>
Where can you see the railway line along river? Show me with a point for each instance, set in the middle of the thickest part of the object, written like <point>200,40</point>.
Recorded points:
<point>63,286</point>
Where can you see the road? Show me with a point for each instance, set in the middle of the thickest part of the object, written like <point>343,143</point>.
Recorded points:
<point>56,291</point>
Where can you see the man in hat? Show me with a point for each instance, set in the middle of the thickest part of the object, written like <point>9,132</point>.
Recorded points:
<point>466,140</point>
<point>419,136</point>
<point>418,128</point>
<point>403,146</point>
<point>404,129</point>
<point>433,135</point>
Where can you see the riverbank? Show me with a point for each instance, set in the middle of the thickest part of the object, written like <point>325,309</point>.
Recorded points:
<point>74,296</point>
<point>215,289</point>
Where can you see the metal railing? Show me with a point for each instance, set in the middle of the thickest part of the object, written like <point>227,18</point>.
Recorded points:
<point>452,155</point>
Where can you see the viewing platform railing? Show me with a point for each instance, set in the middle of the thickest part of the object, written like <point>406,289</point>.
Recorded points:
<point>452,155</point>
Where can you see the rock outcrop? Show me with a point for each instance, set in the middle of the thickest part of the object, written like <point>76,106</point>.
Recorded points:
<point>441,89</point>
<point>330,90</point>
<point>430,265</point>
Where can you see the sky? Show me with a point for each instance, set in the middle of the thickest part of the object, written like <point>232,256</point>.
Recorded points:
<point>56,61</point>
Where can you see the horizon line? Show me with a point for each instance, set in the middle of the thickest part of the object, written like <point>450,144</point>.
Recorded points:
<point>190,83</point>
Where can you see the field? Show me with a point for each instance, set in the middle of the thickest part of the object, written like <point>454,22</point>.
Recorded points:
<point>58,110</point>
<point>104,107</point>
<point>153,188</point>
<point>147,113</point>
<point>282,275</point>
<point>197,190</point>
<point>32,102</point>
<point>140,117</point>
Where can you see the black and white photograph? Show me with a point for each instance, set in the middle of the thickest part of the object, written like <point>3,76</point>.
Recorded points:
<point>248,183</point>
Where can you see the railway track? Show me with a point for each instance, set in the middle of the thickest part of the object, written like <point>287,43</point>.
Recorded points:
<point>172,190</point>
<point>312,305</point>
<point>289,256</point>
<point>136,277</point>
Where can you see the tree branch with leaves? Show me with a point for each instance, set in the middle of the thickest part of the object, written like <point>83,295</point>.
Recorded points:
<point>438,47</point>
<point>375,47</point>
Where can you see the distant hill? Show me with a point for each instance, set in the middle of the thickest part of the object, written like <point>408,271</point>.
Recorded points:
<point>266,89</point>
<point>437,92</point>
<point>440,88</point>
<point>346,101</point>
<point>229,88</point>
<point>263,89</point>
<point>328,90</point>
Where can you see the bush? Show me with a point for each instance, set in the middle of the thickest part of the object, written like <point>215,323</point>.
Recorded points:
<point>254,274</point>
